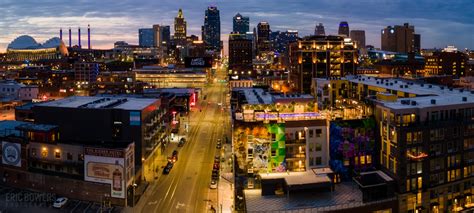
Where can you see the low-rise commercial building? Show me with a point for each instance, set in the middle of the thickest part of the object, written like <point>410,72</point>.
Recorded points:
<point>158,77</point>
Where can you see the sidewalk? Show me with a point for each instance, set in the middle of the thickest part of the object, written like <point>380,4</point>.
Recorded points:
<point>226,182</point>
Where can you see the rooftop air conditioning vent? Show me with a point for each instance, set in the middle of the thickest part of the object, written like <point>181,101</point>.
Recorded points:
<point>413,103</point>
<point>464,99</point>
<point>433,101</point>
<point>430,86</point>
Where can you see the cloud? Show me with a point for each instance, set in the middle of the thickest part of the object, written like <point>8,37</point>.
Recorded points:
<point>439,22</point>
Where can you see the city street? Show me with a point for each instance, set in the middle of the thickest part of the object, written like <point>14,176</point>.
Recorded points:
<point>186,187</point>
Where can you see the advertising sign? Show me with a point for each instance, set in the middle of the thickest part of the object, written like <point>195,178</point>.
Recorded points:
<point>106,166</point>
<point>135,118</point>
<point>198,62</point>
<point>11,154</point>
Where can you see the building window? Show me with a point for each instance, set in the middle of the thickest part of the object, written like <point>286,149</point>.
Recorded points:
<point>311,133</point>
<point>311,161</point>
<point>80,157</point>
<point>69,156</point>
<point>318,161</point>
<point>57,154</point>
<point>33,152</point>
<point>311,147</point>
<point>318,147</point>
<point>319,132</point>
<point>44,152</point>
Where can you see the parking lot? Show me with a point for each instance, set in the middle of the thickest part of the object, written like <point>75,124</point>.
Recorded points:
<point>17,200</point>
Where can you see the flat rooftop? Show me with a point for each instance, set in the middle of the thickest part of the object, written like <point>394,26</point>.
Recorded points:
<point>98,102</point>
<point>261,96</point>
<point>256,95</point>
<point>8,128</point>
<point>12,128</point>
<point>345,195</point>
<point>442,95</point>
<point>298,178</point>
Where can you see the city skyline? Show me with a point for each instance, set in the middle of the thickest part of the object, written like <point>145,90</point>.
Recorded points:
<point>121,21</point>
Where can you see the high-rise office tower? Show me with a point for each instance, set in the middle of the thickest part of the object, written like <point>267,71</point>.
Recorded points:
<point>263,37</point>
<point>145,37</point>
<point>212,29</point>
<point>417,43</point>
<point>180,28</point>
<point>343,28</point>
<point>157,35</point>
<point>398,38</point>
<point>319,30</point>
<point>165,35</point>
<point>241,24</point>
<point>358,36</point>
<point>240,53</point>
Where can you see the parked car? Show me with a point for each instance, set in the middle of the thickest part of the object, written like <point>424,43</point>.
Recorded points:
<point>213,184</point>
<point>215,174</point>
<point>168,168</point>
<point>219,145</point>
<point>60,202</point>
<point>217,159</point>
<point>216,166</point>
<point>181,142</point>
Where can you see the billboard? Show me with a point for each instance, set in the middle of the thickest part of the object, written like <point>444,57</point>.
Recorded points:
<point>198,62</point>
<point>11,154</point>
<point>107,166</point>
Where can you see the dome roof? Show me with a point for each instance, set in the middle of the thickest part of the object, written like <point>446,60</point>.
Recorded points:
<point>52,43</point>
<point>23,42</point>
<point>26,42</point>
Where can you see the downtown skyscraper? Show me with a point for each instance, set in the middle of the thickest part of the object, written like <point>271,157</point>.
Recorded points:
<point>180,28</point>
<point>343,28</point>
<point>145,37</point>
<point>241,24</point>
<point>212,29</point>
<point>319,30</point>
<point>263,37</point>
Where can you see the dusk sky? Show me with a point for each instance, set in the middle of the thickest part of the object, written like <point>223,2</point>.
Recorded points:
<point>440,23</point>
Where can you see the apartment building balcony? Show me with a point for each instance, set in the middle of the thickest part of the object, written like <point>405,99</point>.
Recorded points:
<point>295,142</point>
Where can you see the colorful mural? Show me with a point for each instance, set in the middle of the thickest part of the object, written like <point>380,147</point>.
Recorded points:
<point>352,146</point>
<point>260,147</point>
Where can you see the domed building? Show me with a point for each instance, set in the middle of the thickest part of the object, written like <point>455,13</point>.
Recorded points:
<point>26,48</point>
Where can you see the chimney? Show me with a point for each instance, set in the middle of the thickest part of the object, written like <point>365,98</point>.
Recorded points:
<point>88,37</point>
<point>70,38</point>
<point>79,37</point>
<point>61,34</point>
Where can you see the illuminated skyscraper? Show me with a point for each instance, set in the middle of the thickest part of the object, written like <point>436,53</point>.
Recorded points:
<point>180,28</point>
<point>241,24</point>
<point>344,28</point>
<point>319,30</point>
<point>145,37</point>
<point>212,29</point>
<point>263,37</point>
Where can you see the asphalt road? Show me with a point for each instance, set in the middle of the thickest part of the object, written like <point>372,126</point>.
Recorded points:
<point>186,187</point>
